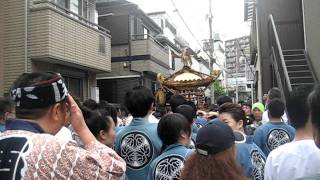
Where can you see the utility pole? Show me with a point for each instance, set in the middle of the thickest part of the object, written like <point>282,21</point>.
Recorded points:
<point>211,49</point>
<point>237,63</point>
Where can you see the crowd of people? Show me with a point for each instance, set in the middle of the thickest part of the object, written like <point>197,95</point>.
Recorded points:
<point>48,134</point>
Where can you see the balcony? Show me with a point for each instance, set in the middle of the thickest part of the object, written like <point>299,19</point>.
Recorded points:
<point>60,36</point>
<point>146,44</point>
<point>147,54</point>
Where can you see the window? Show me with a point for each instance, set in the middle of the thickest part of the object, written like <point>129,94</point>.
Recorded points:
<point>75,6</point>
<point>75,86</point>
<point>162,24</point>
<point>92,14</point>
<point>62,3</point>
<point>95,18</point>
<point>145,33</point>
<point>102,44</point>
<point>85,5</point>
<point>173,64</point>
<point>83,8</point>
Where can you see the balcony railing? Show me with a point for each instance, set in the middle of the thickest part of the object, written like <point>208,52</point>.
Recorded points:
<point>60,36</point>
<point>70,13</point>
<point>146,44</point>
<point>147,36</point>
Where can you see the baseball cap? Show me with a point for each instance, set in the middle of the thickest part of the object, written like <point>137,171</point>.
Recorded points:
<point>215,137</point>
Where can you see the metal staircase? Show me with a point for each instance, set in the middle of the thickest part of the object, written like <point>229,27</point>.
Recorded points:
<point>291,68</point>
<point>298,67</point>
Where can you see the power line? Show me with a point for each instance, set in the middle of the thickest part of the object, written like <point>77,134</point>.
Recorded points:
<point>192,34</point>
<point>184,22</point>
<point>244,55</point>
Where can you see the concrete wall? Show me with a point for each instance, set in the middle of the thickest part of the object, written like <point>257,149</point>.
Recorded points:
<point>118,26</point>
<point>61,37</point>
<point>287,15</point>
<point>119,70</point>
<point>119,22</point>
<point>120,51</point>
<point>140,25</point>
<point>312,27</point>
<point>114,90</point>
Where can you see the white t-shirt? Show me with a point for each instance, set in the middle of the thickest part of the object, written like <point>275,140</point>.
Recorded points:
<point>265,117</point>
<point>152,119</point>
<point>64,133</point>
<point>293,160</point>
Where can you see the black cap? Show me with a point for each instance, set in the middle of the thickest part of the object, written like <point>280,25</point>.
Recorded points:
<point>187,111</point>
<point>215,137</point>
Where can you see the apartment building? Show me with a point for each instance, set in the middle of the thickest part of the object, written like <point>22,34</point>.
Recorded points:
<point>169,38</point>
<point>53,35</point>
<point>238,66</point>
<point>142,46</point>
<point>137,56</point>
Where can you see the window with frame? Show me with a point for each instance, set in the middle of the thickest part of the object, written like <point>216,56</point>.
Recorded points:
<point>83,8</point>
<point>85,5</point>
<point>102,44</point>
<point>75,86</point>
<point>76,6</point>
<point>162,24</point>
<point>62,3</point>
<point>91,13</point>
<point>173,64</point>
<point>145,33</point>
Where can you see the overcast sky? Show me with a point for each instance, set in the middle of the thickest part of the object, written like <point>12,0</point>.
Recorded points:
<point>227,17</point>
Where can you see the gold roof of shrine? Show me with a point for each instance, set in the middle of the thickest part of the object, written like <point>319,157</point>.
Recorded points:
<point>187,78</point>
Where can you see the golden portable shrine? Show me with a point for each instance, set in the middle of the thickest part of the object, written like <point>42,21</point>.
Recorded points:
<point>187,82</point>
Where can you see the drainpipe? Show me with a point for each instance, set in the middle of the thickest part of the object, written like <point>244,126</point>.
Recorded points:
<point>26,37</point>
<point>88,87</point>
<point>129,40</point>
<point>259,63</point>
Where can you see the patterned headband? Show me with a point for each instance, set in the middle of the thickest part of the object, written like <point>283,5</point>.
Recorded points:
<point>42,94</point>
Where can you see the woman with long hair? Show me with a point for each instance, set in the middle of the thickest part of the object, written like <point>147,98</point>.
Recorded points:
<point>215,155</point>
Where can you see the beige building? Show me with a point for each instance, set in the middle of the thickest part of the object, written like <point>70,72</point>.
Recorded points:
<point>53,35</point>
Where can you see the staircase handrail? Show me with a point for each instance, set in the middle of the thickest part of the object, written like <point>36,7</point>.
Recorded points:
<point>276,70</point>
<point>277,41</point>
